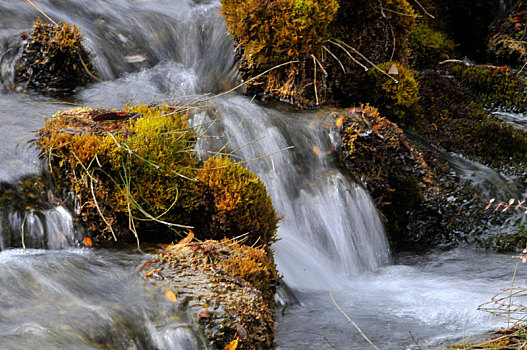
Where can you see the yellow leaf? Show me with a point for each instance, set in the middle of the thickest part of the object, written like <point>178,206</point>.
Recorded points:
<point>232,345</point>
<point>170,296</point>
<point>316,150</point>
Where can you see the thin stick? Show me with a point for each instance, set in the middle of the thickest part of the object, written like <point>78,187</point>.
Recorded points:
<point>350,56</point>
<point>367,60</point>
<point>335,57</point>
<point>351,321</point>
<point>42,12</point>
<point>99,210</point>
<point>320,64</point>
<point>424,10</point>
<point>315,78</point>
<point>525,64</point>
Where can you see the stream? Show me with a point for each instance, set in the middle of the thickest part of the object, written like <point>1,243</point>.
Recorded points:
<point>332,242</point>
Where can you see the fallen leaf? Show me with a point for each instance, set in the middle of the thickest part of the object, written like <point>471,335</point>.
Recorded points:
<point>339,121</point>
<point>393,70</point>
<point>87,241</point>
<point>232,345</point>
<point>171,296</point>
<point>145,265</point>
<point>316,150</point>
<point>187,239</point>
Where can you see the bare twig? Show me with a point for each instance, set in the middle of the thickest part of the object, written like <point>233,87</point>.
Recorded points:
<point>42,12</point>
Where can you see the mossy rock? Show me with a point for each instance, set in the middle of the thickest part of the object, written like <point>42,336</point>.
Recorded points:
<point>395,93</point>
<point>452,120</point>
<point>54,59</point>
<point>135,171</point>
<point>325,45</point>
<point>495,87</point>
<point>227,290</point>
<point>395,172</point>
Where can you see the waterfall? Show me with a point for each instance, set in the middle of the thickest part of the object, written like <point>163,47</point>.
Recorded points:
<point>330,228</point>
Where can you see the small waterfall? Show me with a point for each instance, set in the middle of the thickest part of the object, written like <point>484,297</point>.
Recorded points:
<point>44,229</point>
<point>331,229</point>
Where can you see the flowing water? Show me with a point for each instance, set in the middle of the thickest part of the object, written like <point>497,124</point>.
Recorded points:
<point>331,237</point>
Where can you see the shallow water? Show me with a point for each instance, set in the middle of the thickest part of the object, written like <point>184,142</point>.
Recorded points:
<point>331,236</point>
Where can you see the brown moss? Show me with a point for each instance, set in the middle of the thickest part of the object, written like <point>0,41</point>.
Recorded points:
<point>54,59</point>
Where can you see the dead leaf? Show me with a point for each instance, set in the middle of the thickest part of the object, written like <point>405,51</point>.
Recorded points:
<point>316,150</point>
<point>393,70</point>
<point>339,121</point>
<point>187,239</point>
<point>170,296</point>
<point>232,345</point>
<point>87,241</point>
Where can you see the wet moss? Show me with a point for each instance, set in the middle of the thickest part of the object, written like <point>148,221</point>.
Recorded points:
<point>495,87</point>
<point>396,98</point>
<point>54,59</point>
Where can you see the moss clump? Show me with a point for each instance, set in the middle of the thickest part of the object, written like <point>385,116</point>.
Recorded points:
<point>495,87</point>
<point>331,43</point>
<point>54,59</point>
<point>237,201</point>
<point>508,38</point>
<point>396,98</point>
<point>428,46</point>
<point>135,171</point>
<point>234,283</point>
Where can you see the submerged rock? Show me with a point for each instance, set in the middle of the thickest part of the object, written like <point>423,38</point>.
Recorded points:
<point>226,289</point>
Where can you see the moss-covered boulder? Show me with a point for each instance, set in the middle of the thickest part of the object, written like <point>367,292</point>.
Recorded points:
<point>452,120</point>
<point>377,153</point>
<point>317,50</point>
<point>135,171</point>
<point>226,288</point>
<point>54,59</point>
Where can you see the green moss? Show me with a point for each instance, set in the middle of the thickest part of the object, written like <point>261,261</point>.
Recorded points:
<point>54,59</point>
<point>428,46</point>
<point>396,98</point>
<point>237,201</point>
<point>495,87</point>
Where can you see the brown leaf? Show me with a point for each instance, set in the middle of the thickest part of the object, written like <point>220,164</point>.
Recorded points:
<point>111,116</point>
<point>87,241</point>
<point>339,121</point>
